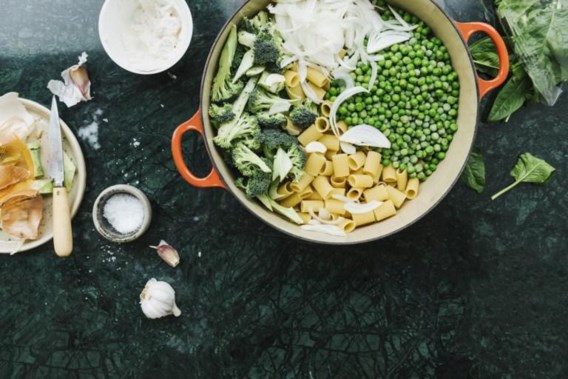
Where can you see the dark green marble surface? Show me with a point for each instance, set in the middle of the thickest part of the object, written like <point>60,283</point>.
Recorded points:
<point>476,289</point>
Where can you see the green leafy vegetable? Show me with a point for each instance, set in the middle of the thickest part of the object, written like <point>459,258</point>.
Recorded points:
<point>474,173</point>
<point>529,169</point>
<point>511,97</point>
<point>485,56</point>
<point>539,30</point>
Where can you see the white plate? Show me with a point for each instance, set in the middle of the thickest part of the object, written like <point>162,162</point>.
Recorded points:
<point>72,148</point>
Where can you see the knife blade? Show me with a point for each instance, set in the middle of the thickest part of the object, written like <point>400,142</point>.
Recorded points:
<point>62,232</point>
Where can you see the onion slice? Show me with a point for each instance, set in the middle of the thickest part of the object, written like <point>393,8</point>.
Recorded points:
<point>337,103</point>
<point>327,229</point>
<point>365,135</point>
<point>315,147</point>
<point>362,208</point>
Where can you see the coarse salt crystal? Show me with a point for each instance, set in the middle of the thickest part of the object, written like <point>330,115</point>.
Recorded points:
<point>124,212</point>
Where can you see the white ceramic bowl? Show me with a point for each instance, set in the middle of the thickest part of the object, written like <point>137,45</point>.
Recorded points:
<point>127,44</point>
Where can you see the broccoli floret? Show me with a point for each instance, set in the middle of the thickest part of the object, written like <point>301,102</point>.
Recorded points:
<point>266,50</point>
<point>255,185</point>
<point>247,162</point>
<point>246,127</point>
<point>223,87</point>
<point>221,114</point>
<point>253,25</point>
<point>260,101</point>
<point>304,115</point>
<point>272,121</point>
<point>298,159</point>
<point>272,139</point>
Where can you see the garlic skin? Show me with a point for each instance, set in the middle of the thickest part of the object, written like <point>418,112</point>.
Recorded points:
<point>167,253</point>
<point>157,300</point>
<point>75,87</point>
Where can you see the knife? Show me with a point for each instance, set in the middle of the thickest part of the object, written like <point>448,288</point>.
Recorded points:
<point>62,233</point>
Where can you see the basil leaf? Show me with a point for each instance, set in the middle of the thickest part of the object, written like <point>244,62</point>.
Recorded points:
<point>474,173</point>
<point>529,169</point>
<point>511,97</point>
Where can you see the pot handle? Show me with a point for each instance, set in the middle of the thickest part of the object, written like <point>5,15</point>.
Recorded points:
<point>467,29</point>
<point>193,124</point>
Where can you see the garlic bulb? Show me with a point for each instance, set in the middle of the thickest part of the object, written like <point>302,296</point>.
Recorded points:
<point>158,300</point>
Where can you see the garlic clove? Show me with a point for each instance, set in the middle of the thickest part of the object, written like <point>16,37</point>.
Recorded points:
<point>80,77</point>
<point>167,253</point>
<point>157,300</point>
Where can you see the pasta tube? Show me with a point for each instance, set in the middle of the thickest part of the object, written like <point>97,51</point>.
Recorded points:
<point>401,180</point>
<point>322,186</point>
<point>357,160</point>
<point>385,210</point>
<point>322,124</point>
<point>330,141</point>
<point>363,218</point>
<point>310,134</point>
<point>314,205</point>
<point>314,164</point>
<point>303,183</point>
<point>360,181</point>
<point>317,77</point>
<point>412,188</point>
<point>389,174</point>
<point>340,165</point>
<point>378,193</point>
<point>396,196</point>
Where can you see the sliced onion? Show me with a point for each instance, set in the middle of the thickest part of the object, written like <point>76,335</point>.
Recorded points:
<point>347,148</point>
<point>324,220</point>
<point>361,208</point>
<point>279,107</point>
<point>327,229</point>
<point>316,147</point>
<point>349,82</point>
<point>365,135</point>
<point>345,199</point>
<point>337,103</point>
<point>273,79</point>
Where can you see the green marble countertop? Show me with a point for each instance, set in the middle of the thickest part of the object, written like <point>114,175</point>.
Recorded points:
<point>476,289</point>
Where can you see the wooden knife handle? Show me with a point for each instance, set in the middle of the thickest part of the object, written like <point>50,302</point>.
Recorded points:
<point>62,233</point>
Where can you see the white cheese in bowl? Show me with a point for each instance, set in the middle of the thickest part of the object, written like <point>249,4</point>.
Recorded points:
<point>145,36</point>
<point>154,33</point>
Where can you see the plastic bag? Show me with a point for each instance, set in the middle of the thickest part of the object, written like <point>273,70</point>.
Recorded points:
<point>539,31</point>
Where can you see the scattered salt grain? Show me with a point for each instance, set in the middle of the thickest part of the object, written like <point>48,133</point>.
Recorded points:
<point>90,134</point>
<point>124,212</point>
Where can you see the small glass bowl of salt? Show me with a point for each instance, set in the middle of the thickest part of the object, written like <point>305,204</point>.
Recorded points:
<point>122,213</point>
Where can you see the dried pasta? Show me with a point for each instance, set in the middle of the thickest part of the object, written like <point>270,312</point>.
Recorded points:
<point>314,164</point>
<point>385,210</point>
<point>411,190</point>
<point>310,134</point>
<point>303,183</point>
<point>401,180</point>
<point>322,186</point>
<point>341,165</point>
<point>330,141</point>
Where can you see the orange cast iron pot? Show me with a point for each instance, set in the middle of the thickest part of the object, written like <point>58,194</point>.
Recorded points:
<point>472,88</point>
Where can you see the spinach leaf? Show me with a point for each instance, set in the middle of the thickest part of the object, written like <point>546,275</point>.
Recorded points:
<point>511,97</point>
<point>485,56</point>
<point>540,31</point>
<point>529,169</point>
<point>474,173</point>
